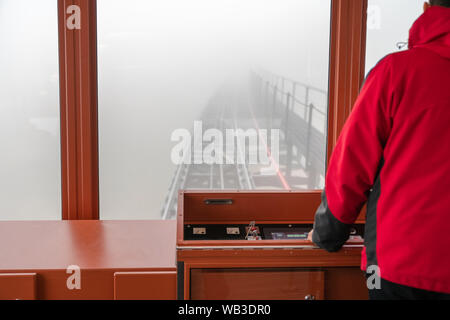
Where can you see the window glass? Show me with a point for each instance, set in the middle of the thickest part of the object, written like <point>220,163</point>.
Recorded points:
<point>388,24</point>
<point>30,169</point>
<point>210,95</point>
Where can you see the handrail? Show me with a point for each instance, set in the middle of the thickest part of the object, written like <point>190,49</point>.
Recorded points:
<point>286,100</point>
<point>275,87</point>
<point>295,82</point>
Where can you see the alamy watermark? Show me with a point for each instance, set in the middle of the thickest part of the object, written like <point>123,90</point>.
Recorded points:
<point>373,277</point>
<point>74,280</point>
<point>231,146</point>
<point>374,17</point>
<point>74,20</point>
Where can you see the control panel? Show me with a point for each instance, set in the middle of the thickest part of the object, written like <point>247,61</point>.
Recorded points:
<point>254,232</point>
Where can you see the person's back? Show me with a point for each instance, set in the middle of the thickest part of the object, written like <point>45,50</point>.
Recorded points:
<point>395,151</point>
<point>413,211</point>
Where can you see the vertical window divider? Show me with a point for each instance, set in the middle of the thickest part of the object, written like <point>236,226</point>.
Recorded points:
<point>347,63</point>
<point>77,29</point>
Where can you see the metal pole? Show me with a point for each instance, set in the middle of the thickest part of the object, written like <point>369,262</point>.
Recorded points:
<point>308,137</point>
<point>306,102</point>
<point>274,105</point>
<point>286,118</point>
<point>294,89</point>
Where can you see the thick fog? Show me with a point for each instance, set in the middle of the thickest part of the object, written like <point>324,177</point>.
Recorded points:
<point>162,66</point>
<point>161,62</point>
<point>30,170</point>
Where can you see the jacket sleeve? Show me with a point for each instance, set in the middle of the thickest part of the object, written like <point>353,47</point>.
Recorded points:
<point>355,161</point>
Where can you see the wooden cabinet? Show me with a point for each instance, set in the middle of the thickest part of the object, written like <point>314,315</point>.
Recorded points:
<point>145,285</point>
<point>112,260</point>
<point>17,286</point>
<point>216,266</point>
<point>286,274</point>
<point>278,284</point>
<point>257,284</point>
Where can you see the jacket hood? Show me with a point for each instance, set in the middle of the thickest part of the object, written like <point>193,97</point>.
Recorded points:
<point>432,31</point>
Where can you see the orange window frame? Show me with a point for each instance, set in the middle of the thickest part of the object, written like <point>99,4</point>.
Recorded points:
<point>78,110</point>
<point>79,94</point>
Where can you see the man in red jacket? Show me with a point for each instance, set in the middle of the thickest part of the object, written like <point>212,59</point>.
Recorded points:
<point>394,154</point>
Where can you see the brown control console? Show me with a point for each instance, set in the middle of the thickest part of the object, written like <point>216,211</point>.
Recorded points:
<point>253,245</point>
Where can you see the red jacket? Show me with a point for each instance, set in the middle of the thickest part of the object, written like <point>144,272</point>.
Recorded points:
<point>394,154</point>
